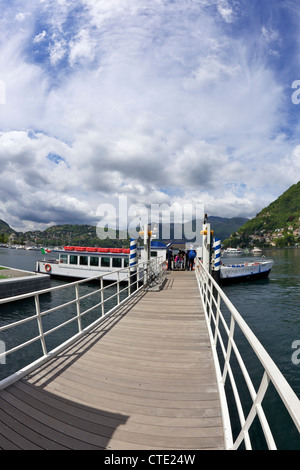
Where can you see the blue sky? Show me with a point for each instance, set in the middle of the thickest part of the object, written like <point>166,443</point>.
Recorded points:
<point>183,101</point>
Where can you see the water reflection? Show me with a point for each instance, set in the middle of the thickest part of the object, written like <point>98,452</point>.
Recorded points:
<point>16,311</point>
<point>271,309</point>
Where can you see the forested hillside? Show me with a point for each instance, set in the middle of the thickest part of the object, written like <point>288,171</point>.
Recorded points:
<point>276,225</point>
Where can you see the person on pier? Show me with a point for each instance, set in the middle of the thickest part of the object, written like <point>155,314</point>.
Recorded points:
<point>170,258</point>
<point>192,256</point>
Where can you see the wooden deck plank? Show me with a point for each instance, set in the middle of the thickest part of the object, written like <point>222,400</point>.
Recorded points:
<point>143,379</point>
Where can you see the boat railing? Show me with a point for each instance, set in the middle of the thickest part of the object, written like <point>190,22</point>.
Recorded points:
<point>143,275</point>
<point>223,321</point>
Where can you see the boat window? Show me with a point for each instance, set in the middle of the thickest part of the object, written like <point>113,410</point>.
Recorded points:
<point>105,262</point>
<point>63,259</point>
<point>94,261</point>
<point>83,260</point>
<point>126,262</point>
<point>153,254</point>
<point>73,259</point>
<point>117,262</point>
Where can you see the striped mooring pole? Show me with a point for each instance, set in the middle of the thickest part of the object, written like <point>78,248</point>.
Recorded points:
<point>133,263</point>
<point>217,260</point>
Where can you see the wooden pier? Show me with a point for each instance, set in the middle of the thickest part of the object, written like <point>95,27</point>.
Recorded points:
<point>17,281</point>
<point>143,379</point>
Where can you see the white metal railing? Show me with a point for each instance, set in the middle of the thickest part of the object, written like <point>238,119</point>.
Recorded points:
<point>224,347</point>
<point>146,274</point>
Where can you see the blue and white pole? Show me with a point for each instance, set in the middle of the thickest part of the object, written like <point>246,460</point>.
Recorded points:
<point>133,254</point>
<point>217,261</point>
<point>133,263</point>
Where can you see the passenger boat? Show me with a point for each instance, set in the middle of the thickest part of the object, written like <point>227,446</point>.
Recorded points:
<point>256,250</point>
<point>232,251</point>
<point>245,271</point>
<point>86,262</point>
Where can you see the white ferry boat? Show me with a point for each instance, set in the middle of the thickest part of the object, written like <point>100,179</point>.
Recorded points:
<point>232,251</point>
<point>245,271</point>
<point>86,262</point>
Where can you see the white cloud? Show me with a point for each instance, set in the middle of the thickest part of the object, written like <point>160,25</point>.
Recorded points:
<point>22,16</point>
<point>81,48</point>
<point>225,11</point>
<point>270,34</point>
<point>57,50</point>
<point>272,39</point>
<point>40,37</point>
<point>152,100</point>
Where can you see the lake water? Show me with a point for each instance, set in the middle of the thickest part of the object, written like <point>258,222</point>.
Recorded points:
<point>12,312</point>
<point>270,307</point>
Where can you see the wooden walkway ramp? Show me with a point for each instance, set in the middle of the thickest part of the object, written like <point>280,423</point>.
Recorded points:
<point>143,379</point>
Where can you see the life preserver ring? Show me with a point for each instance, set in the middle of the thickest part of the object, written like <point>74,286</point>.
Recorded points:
<point>47,268</point>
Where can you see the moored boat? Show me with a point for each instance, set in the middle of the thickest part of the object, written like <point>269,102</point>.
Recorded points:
<point>87,262</point>
<point>245,271</point>
<point>232,251</point>
<point>256,250</point>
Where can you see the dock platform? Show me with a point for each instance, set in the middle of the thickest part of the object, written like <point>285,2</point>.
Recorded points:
<point>143,379</point>
<point>15,282</point>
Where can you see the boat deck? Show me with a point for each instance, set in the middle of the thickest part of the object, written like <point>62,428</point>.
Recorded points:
<point>143,379</point>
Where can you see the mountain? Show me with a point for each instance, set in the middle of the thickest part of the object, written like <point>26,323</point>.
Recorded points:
<point>278,224</point>
<point>5,228</point>
<point>223,227</point>
<point>85,235</point>
<point>5,231</point>
<point>72,235</point>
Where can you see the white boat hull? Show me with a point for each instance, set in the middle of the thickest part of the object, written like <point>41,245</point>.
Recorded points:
<point>244,272</point>
<point>86,264</point>
<point>76,272</point>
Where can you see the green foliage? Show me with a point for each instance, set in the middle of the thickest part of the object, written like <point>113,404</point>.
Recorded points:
<point>286,240</point>
<point>282,213</point>
<point>85,235</point>
<point>5,230</point>
<point>223,227</point>
<point>73,235</point>
<point>4,237</point>
<point>61,235</point>
<point>4,227</point>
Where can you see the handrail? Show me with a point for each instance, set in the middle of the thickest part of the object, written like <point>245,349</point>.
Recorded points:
<point>137,278</point>
<point>212,297</point>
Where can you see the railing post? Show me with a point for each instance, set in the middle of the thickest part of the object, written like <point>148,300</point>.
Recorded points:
<point>40,324</point>
<point>129,282</point>
<point>118,287</point>
<point>217,319</point>
<point>78,308</point>
<point>229,348</point>
<point>145,273</point>
<point>102,296</point>
<point>211,291</point>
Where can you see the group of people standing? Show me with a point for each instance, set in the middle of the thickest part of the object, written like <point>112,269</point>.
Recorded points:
<point>183,260</point>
